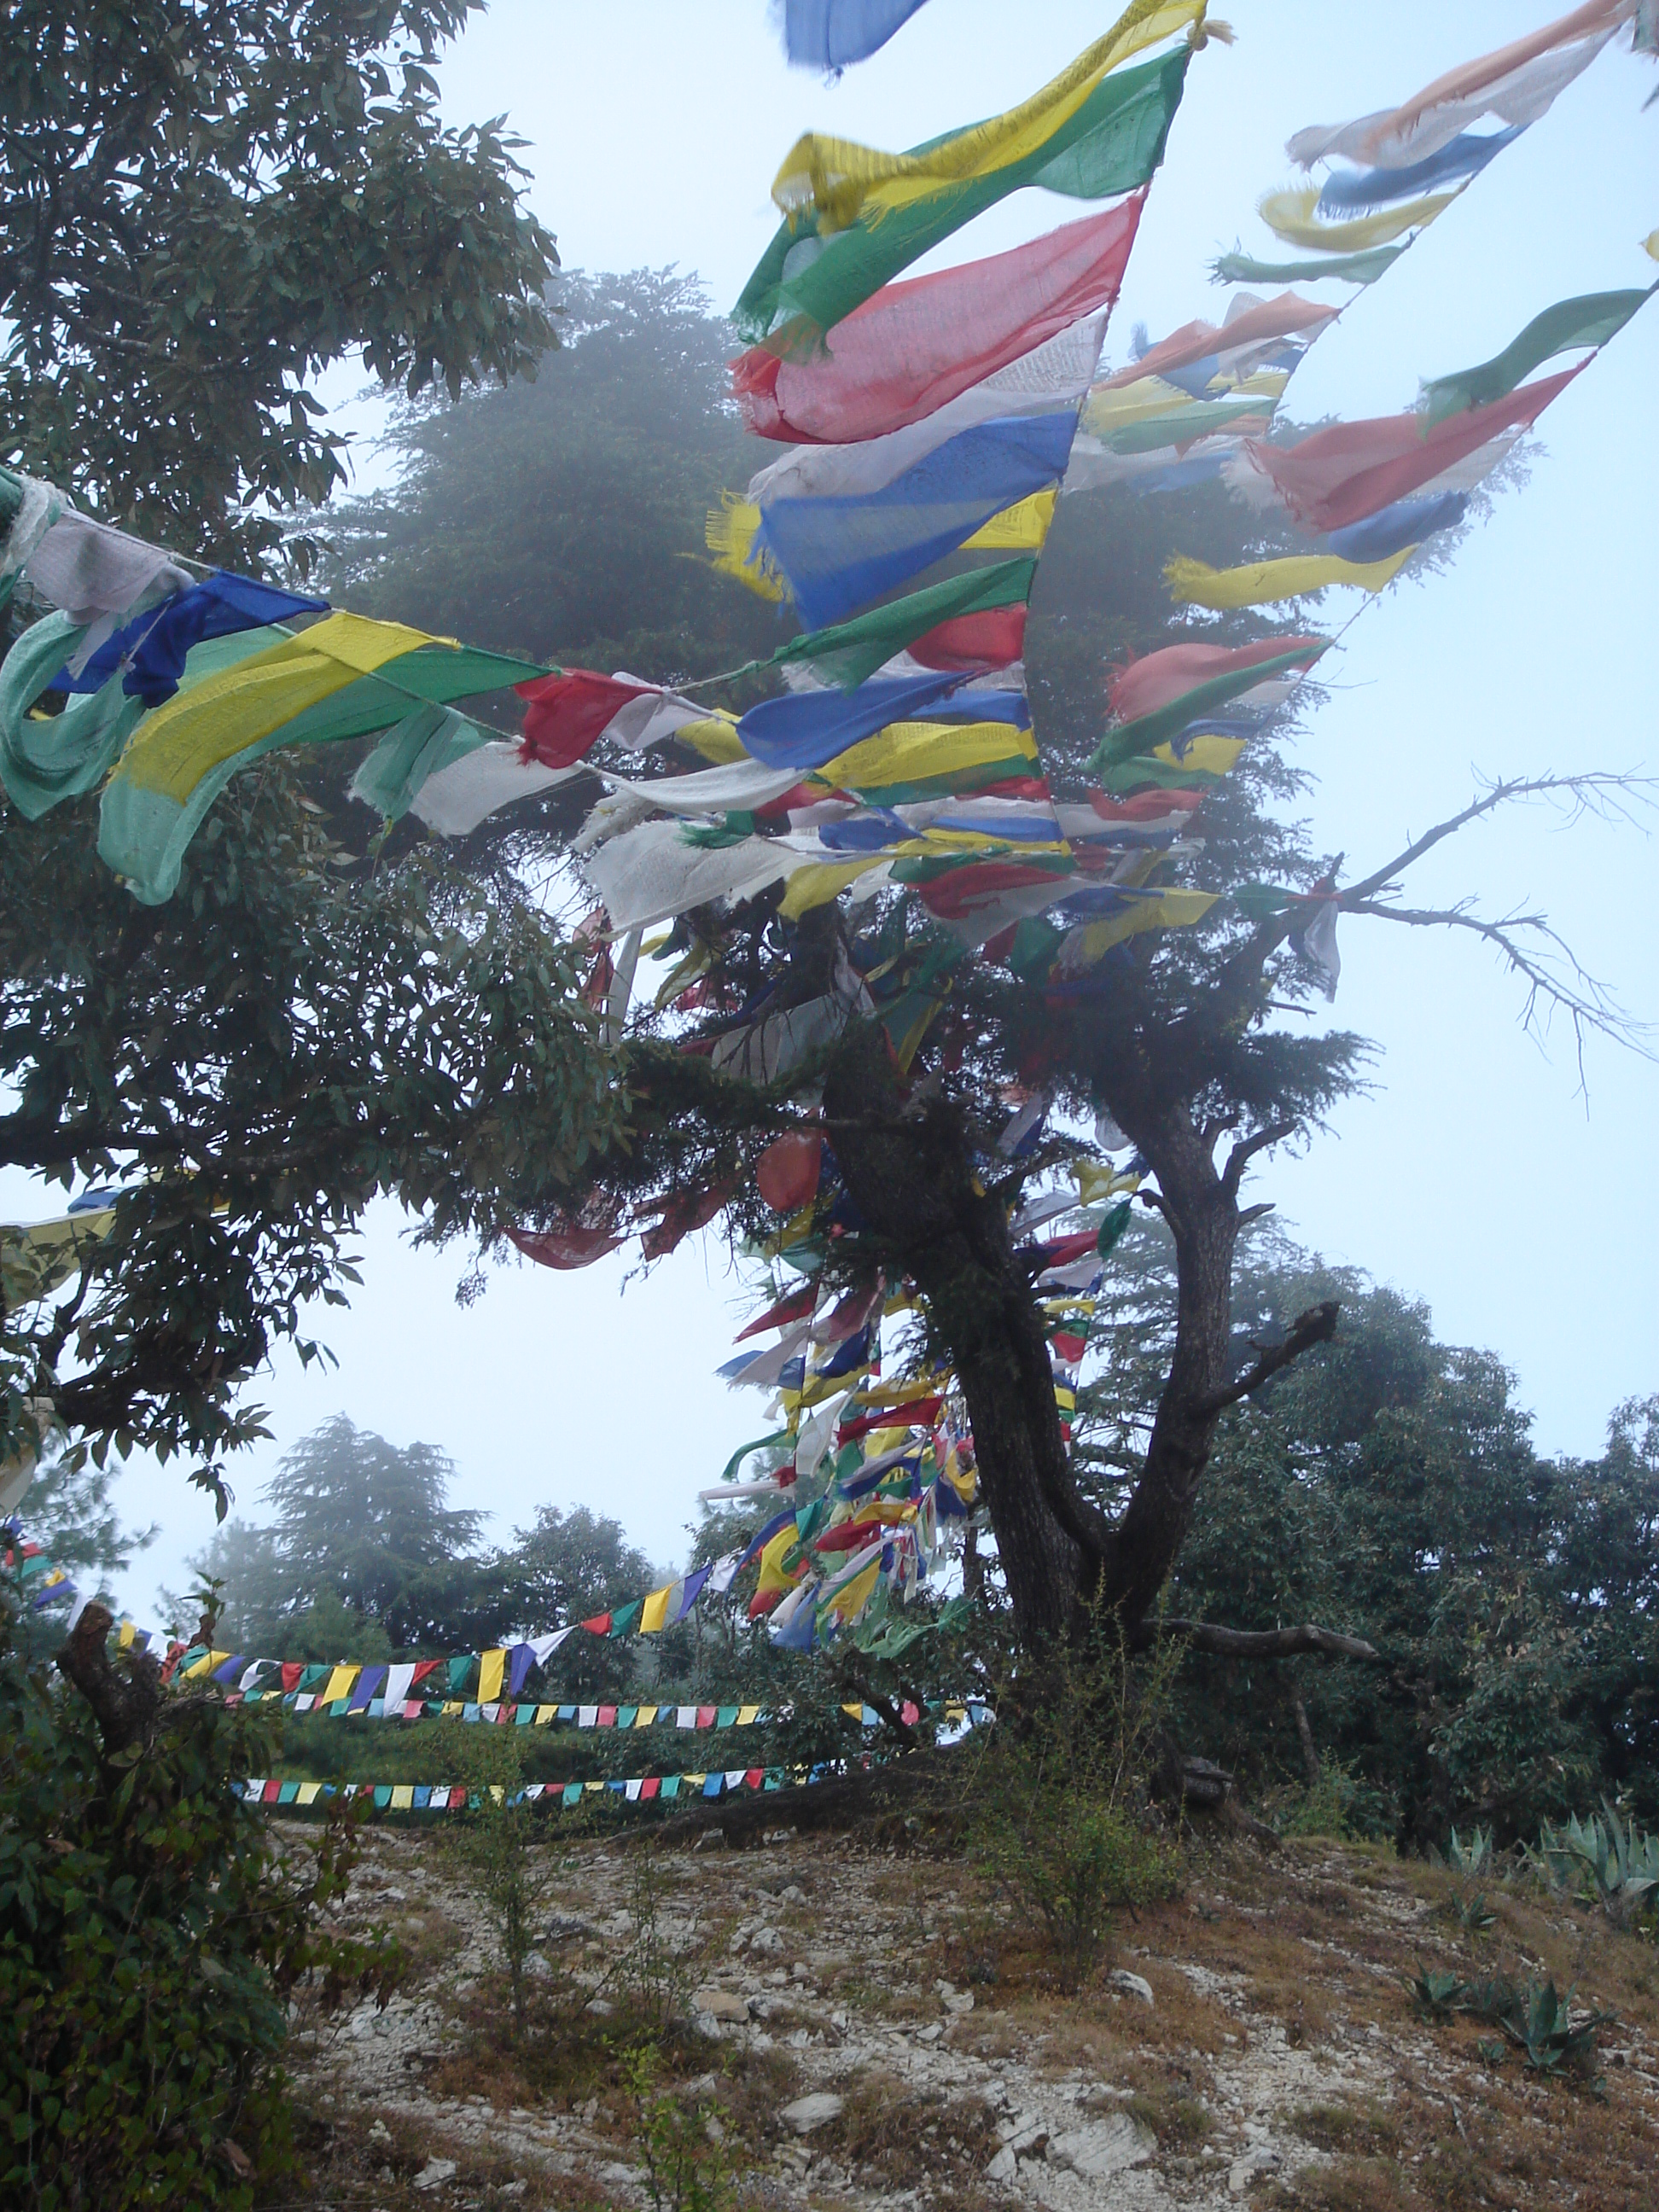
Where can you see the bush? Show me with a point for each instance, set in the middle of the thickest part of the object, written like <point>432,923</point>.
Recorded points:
<point>1061,1817</point>
<point>150,1934</point>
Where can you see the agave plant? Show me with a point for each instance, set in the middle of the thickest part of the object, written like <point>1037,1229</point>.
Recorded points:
<point>1466,1862</point>
<point>1613,1863</point>
<point>1437,1993</point>
<point>1540,2024</point>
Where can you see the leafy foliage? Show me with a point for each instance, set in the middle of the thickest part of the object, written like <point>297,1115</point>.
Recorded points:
<point>150,1935</point>
<point>272,1048</point>
<point>67,1511</point>
<point>203,208</point>
<point>563,519</point>
<point>1386,1485</point>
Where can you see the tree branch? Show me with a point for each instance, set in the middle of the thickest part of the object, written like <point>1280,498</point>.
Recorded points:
<point>1316,1326</point>
<point>1256,1643</point>
<point>125,1708</point>
<point>1244,1150</point>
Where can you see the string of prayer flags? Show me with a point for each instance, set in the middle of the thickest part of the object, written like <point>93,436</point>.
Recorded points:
<point>829,34</point>
<point>917,346</point>
<point>853,217</point>
<point>1258,583</point>
<point>1587,321</point>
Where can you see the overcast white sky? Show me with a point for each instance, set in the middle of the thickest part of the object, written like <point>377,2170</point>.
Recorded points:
<point>1474,1176</point>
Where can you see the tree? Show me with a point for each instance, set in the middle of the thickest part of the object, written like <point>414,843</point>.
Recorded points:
<point>66,1510</point>
<point>364,1557</point>
<point>1184,1038</point>
<point>204,207</point>
<point>564,519</point>
<point>270,1050</point>
<point>1387,1484</point>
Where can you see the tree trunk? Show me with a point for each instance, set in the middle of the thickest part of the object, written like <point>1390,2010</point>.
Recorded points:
<point>912,1179</point>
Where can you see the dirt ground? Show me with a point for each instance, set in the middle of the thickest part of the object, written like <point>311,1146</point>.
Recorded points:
<point>827,2024</point>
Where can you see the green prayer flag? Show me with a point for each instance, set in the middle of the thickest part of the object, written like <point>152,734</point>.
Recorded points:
<point>1348,268</point>
<point>43,762</point>
<point>1150,730</point>
<point>622,1621</point>
<point>850,652</point>
<point>1589,320</point>
<point>807,282</point>
<point>1261,902</point>
<point>1112,1228</point>
<point>439,674</point>
<point>428,739</point>
<point>1181,426</point>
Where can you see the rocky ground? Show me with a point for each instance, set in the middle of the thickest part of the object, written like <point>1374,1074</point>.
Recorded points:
<point>812,2021</point>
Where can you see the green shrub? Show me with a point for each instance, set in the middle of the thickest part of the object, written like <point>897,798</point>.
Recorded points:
<point>1061,1817</point>
<point>150,1934</point>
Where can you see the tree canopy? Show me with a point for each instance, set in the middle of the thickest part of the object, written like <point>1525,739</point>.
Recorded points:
<point>203,207</point>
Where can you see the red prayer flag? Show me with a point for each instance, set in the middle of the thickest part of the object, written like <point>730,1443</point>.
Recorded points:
<point>795,1308</point>
<point>922,1413</point>
<point>786,1172</point>
<point>1141,687</point>
<point>915,344</point>
<point>650,1786</point>
<point>989,640</point>
<point>566,712</point>
<point>605,1717</point>
<point>599,1626</point>
<point>563,1249</point>
<point>1351,470</point>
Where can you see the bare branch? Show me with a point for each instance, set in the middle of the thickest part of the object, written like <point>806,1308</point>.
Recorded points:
<point>1603,792</point>
<point>1256,1642</point>
<point>1316,1326</point>
<point>1246,1149</point>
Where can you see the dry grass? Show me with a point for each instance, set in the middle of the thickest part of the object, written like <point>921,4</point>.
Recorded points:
<point>896,2139</point>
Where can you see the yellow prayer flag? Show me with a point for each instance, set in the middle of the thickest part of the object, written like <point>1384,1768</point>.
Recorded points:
<point>1213,755</point>
<point>777,1571</point>
<point>339,1685</point>
<point>655,1611</point>
<point>1097,1179</point>
<point>918,752</point>
<point>403,1797</point>
<point>1290,216</point>
<point>748,1715</point>
<point>1195,584</point>
<point>1022,528</point>
<point>850,1600</point>
<point>646,1715</point>
<point>819,881</point>
<point>204,1665</point>
<point>545,1716</point>
<point>728,531</point>
<point>854,1711</point>
<point>843,179</point>
<point>306,1793</point>
<point>1167,910</point>
<point>492,1665</point>
<point>177,745</point>
<point>716,737</point>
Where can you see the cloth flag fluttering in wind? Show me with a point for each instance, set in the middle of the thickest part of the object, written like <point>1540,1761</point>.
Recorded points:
<point>829,34</point>
<point>917,345</point>
<point>853,217</point>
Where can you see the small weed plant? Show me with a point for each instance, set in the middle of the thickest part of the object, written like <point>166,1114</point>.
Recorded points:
<point>1061,1818</point>
<point>686,2168</point>
<point>500,1843</point>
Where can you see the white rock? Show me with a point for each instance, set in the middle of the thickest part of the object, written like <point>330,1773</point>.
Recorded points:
<point>766,1939</point>
<point>809,2112</point>
<point>1133,1985</point>
<point>1243,2171</point>
<point>720,2004</point>
<point>1002,2166</point>
<point>435,2172</point>
<point>1102,2147</point>
<point>960,2002</point>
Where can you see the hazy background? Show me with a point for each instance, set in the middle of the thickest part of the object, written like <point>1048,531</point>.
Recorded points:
<point>1475,1176</point>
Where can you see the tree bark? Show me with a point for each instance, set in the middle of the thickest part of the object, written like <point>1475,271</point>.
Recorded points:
<point>125,1705</point>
